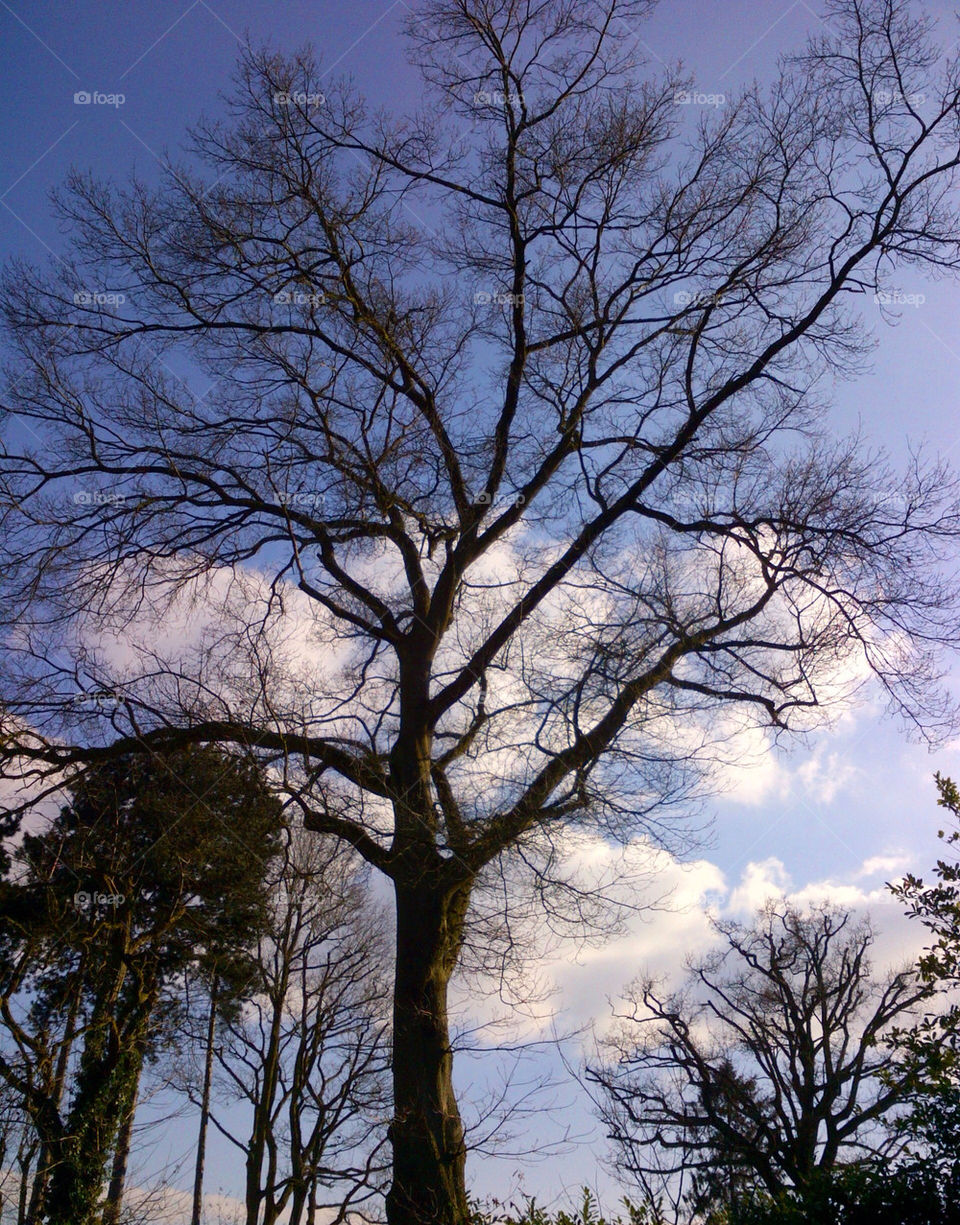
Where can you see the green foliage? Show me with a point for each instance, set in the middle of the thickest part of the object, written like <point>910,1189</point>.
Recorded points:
<point>916,1192</point>
<point>932,1127</point>
<point>588,1213</point>
<point>178,845</point>
<point>931,1046</point>
<point>937,906</point>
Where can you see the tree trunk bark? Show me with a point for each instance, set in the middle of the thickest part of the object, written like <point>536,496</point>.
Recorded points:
<point>121,1153</point>
<point>41,1175</point>
<point>23,1191</point>
<point>261,1190</point>
<point>197,1213</point>
<point>426,1133</point>
<point>80,1158</point>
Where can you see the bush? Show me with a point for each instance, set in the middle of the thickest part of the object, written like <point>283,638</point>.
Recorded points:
<point>917,1193</point>
<point>494,1212</point>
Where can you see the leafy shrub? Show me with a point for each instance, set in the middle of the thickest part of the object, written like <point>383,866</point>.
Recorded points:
<point>916,1193</point>
<point>494,1212</point>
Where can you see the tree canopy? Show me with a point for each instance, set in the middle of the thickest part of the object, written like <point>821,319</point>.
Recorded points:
<point>145,880</point>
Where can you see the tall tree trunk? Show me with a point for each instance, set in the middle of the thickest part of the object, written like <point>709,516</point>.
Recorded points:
<point>426,1133</point>
<point>80,1159</point>
<point>261,1190</point>
<point>113,1046</point>
<point>121,1153</point>
<point>24,1161</point>
<point>41,1175</point>
<point>196,1215</point>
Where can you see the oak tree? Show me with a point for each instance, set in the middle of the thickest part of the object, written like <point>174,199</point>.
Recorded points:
<point>471,465</point>
<point>774,1063</point>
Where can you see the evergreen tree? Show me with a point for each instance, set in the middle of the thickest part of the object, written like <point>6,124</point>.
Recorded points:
<point>153,872</point>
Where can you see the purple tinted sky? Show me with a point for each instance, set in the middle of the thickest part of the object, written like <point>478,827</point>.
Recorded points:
<point>171,59</point>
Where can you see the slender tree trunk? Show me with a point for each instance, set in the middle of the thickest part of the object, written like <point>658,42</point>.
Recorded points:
<point>259,1190</point>
<point>38,1188</point>
<point>121,1153</point>
<point>426,1133</point>
<point>41,1175</point>
<point>196,1215</point>
<point>26,1156</point>
<point>50,1129</point>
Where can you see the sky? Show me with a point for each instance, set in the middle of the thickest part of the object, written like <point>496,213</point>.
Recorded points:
<point>836,815</point>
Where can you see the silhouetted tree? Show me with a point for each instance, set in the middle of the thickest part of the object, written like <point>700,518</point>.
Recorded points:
<point>155,868</point>
<point>773,1062</point>
<point>309,1054</point>
<point>509,492</point>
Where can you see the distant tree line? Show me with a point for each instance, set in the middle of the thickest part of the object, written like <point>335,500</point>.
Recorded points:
<point>171,925</point>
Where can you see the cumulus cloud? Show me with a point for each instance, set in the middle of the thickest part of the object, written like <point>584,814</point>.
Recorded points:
<point>759,883</point>
<point>891,865</point>
<point>673,923</point>
<point>753,769</point>
<point>236,640</point>
<point>824,775</point>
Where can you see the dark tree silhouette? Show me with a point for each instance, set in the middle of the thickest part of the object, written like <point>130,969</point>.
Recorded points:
<point>143,878</point>
<point>773,1063</point>
<point>509,489</point>
<point>310,1056</point>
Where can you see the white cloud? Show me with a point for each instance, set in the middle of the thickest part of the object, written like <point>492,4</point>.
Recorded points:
<point>658,941</point>
<point>823,775</point>
<point>759,883</point>
<point>894,864</point>
<point>754,769</point>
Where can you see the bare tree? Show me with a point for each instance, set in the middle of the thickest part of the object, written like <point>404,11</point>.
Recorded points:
<point>509,489</point>
<point>309,1055</point>
<point>774,1061</point>
<point>19,1149</point>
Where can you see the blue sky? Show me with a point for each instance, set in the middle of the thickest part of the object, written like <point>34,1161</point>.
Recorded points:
<point>819,812</point>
